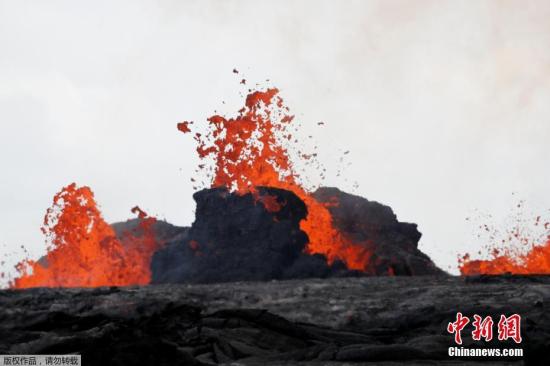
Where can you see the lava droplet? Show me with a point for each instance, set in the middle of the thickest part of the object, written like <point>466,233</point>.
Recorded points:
<point>184,127</point>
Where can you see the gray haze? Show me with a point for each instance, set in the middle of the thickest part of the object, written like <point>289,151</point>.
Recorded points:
<point>444,105</point>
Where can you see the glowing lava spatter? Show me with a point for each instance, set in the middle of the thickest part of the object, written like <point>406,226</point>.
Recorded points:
<point>84,250</point>
<point>517,253</point>
<point>536,261</point>
<point>249,151</point>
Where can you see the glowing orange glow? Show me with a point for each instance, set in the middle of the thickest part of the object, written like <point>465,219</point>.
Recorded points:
<point>84,250</point>
<point>249,151</point>
<point>536,261</point>
<point>184,126</point>
<point>270,203</point>
<point>517,249</point>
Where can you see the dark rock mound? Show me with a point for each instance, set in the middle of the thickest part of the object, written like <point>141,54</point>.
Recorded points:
<point>164,231</point>
<point>394,243</point>
<point>242,237</point>
<point>257,237</point>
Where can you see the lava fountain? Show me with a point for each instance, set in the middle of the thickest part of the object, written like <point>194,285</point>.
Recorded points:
<point>83,249</point>
<point>521,253</point>
<point>250,150</point>
<point>536,261</point>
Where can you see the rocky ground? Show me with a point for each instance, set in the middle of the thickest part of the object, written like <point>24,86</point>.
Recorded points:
<point>369,320</point>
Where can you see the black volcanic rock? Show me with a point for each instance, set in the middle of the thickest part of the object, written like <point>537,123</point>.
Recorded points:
<point>362,321</point>
<point>394,244</point>
<point>236,238</point>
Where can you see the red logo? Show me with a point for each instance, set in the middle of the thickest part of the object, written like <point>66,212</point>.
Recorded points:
<point>508,327</point>
<point>483,329</point>
<point>457,327</point>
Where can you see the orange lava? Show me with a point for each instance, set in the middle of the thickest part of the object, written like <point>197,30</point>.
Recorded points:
<point>84,250</point>
<point>516,250</point>
<point>249,151</point>
<point>184,126</point>
<point>536,261</point>
<point>270,203</point>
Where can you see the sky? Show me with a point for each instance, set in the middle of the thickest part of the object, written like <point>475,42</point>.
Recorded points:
<point>443,105</point>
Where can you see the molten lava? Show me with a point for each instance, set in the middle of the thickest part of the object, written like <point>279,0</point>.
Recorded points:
<point>249,151</point>
<point>513,258</point>
<point>536,261</point>
<point>184,126</point>
<point>84,250</point>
